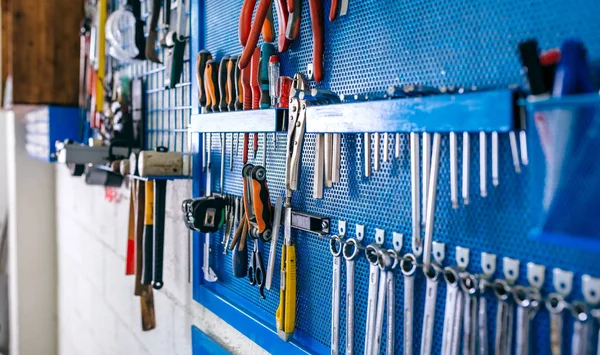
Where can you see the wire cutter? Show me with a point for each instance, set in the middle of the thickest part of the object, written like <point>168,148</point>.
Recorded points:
<point>256,270</point>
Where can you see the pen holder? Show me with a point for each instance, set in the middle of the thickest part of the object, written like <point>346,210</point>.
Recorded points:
<point>564,176</point>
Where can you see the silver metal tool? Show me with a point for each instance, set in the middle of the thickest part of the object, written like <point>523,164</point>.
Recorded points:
<point>273,248</point>
<point>386,148</point>
<point>453,171</point>
<point>425,166</point>
<point>429,313</point>
<point>431,197</point>
<point>514,151</point>
<point>328,158</point>
<point>482,164</point>
<point>390,348</point>
<point>523,142</point>
<point>457,324</point>
<point>264,150</point>
<point>555,304</point>
<point>296,129</point>
<point>376,149</point>
<point>337,157</point>
<point>231,154</point>
<point>415,193</point>
<point>222,180</point>
<point>367,149</point>
<point>351,252</point>
<point>452,291</point>
<point>581,329</point>
<point>344,8</point>
<point>319,165</point>
<point>208,152</point>
<point>204,160</point>
<point>469,288</point>
<point>397,146</point>
<point>466,166</point>
<point>371,252</point>
<point>209,274</point>
<point>495,178</point>
<point>237,144</point>
<point>385,263</point>
<point>502,292</point>
<point>335,246</point>
<point>408,265</point>
<point>528,302</point>
<point>482,327</point>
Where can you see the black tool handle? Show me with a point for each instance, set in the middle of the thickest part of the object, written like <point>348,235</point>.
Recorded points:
<point>160,193</point>
<point>224,95</point>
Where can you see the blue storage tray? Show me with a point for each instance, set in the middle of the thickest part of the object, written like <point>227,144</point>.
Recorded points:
<point>45,126</point>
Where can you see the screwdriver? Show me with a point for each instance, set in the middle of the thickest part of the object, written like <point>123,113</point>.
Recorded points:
<point>232,97</point>
<point>247,105</point>
<point>266,51</point>
<point>274,88</point>
<point>256,90</point>
<point>201,59</point>
<point>224,107</point>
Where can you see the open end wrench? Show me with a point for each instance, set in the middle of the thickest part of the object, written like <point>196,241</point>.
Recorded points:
<point>429,313</point>
<point>431,197</point>
<point>482,327</point>
<point>425,166</point>
<point>371,253</point>
<point>495,178</point>
<point>502,291</point>
<point>367,148</point>
<point>514,151</point>
<point>555,304</point>
<point>385,262</point>
<point>482,164</point>
<point>391,306</point>
<point>408,265</point>
<point>452,290</point>
<point>335,246</point>
<point>351,252</point>
<point>469,288</point>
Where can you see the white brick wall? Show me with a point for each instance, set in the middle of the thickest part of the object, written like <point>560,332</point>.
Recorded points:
<point>98,313</point>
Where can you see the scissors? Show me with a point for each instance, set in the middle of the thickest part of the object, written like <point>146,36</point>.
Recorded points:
<point>256,271</point>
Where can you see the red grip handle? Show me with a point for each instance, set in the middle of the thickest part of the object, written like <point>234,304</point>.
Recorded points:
<point>282,18</point>
<point>259,19</point>
<point>246,20</point>
<point>316,16</point>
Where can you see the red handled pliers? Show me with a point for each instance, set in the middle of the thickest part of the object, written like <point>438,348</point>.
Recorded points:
<point>289,26</point>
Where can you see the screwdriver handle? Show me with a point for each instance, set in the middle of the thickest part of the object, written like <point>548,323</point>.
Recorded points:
<point>266,51</point>
<point>148,233</point>
<point>255,79</point>
<point>201,59</point>
<point>222,79</point>
<point>246,89</point>
<point>268,29</point>
<point>239,89</point>
<point>211,78</point>
<point>160,193</point>
<point>231,84</point>
<point>245,150</point>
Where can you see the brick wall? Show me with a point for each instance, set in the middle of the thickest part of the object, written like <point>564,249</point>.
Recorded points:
<point>98,313</point>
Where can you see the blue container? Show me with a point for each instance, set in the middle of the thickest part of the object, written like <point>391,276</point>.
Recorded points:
<point>49,124</point>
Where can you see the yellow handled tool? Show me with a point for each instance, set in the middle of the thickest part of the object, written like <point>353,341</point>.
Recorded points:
<point>286,312</point>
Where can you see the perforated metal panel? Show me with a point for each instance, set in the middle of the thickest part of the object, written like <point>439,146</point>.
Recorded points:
<point>463,43</point>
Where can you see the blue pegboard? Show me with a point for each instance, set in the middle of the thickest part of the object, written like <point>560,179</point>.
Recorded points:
<point>462,43</point>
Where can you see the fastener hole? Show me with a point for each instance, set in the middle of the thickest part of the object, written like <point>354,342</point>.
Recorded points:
<point>511,272</point>
<point>562,285</point>
<point>536,279</point>
<point>593,293</point>
<point>488,266</point>
<point>462,260</point>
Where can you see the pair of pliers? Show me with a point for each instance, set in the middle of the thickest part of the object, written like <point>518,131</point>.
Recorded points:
<point>263,22</point>
<point>256,271</point>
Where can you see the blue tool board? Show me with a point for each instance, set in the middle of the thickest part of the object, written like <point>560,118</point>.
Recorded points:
<point>461,43</point>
